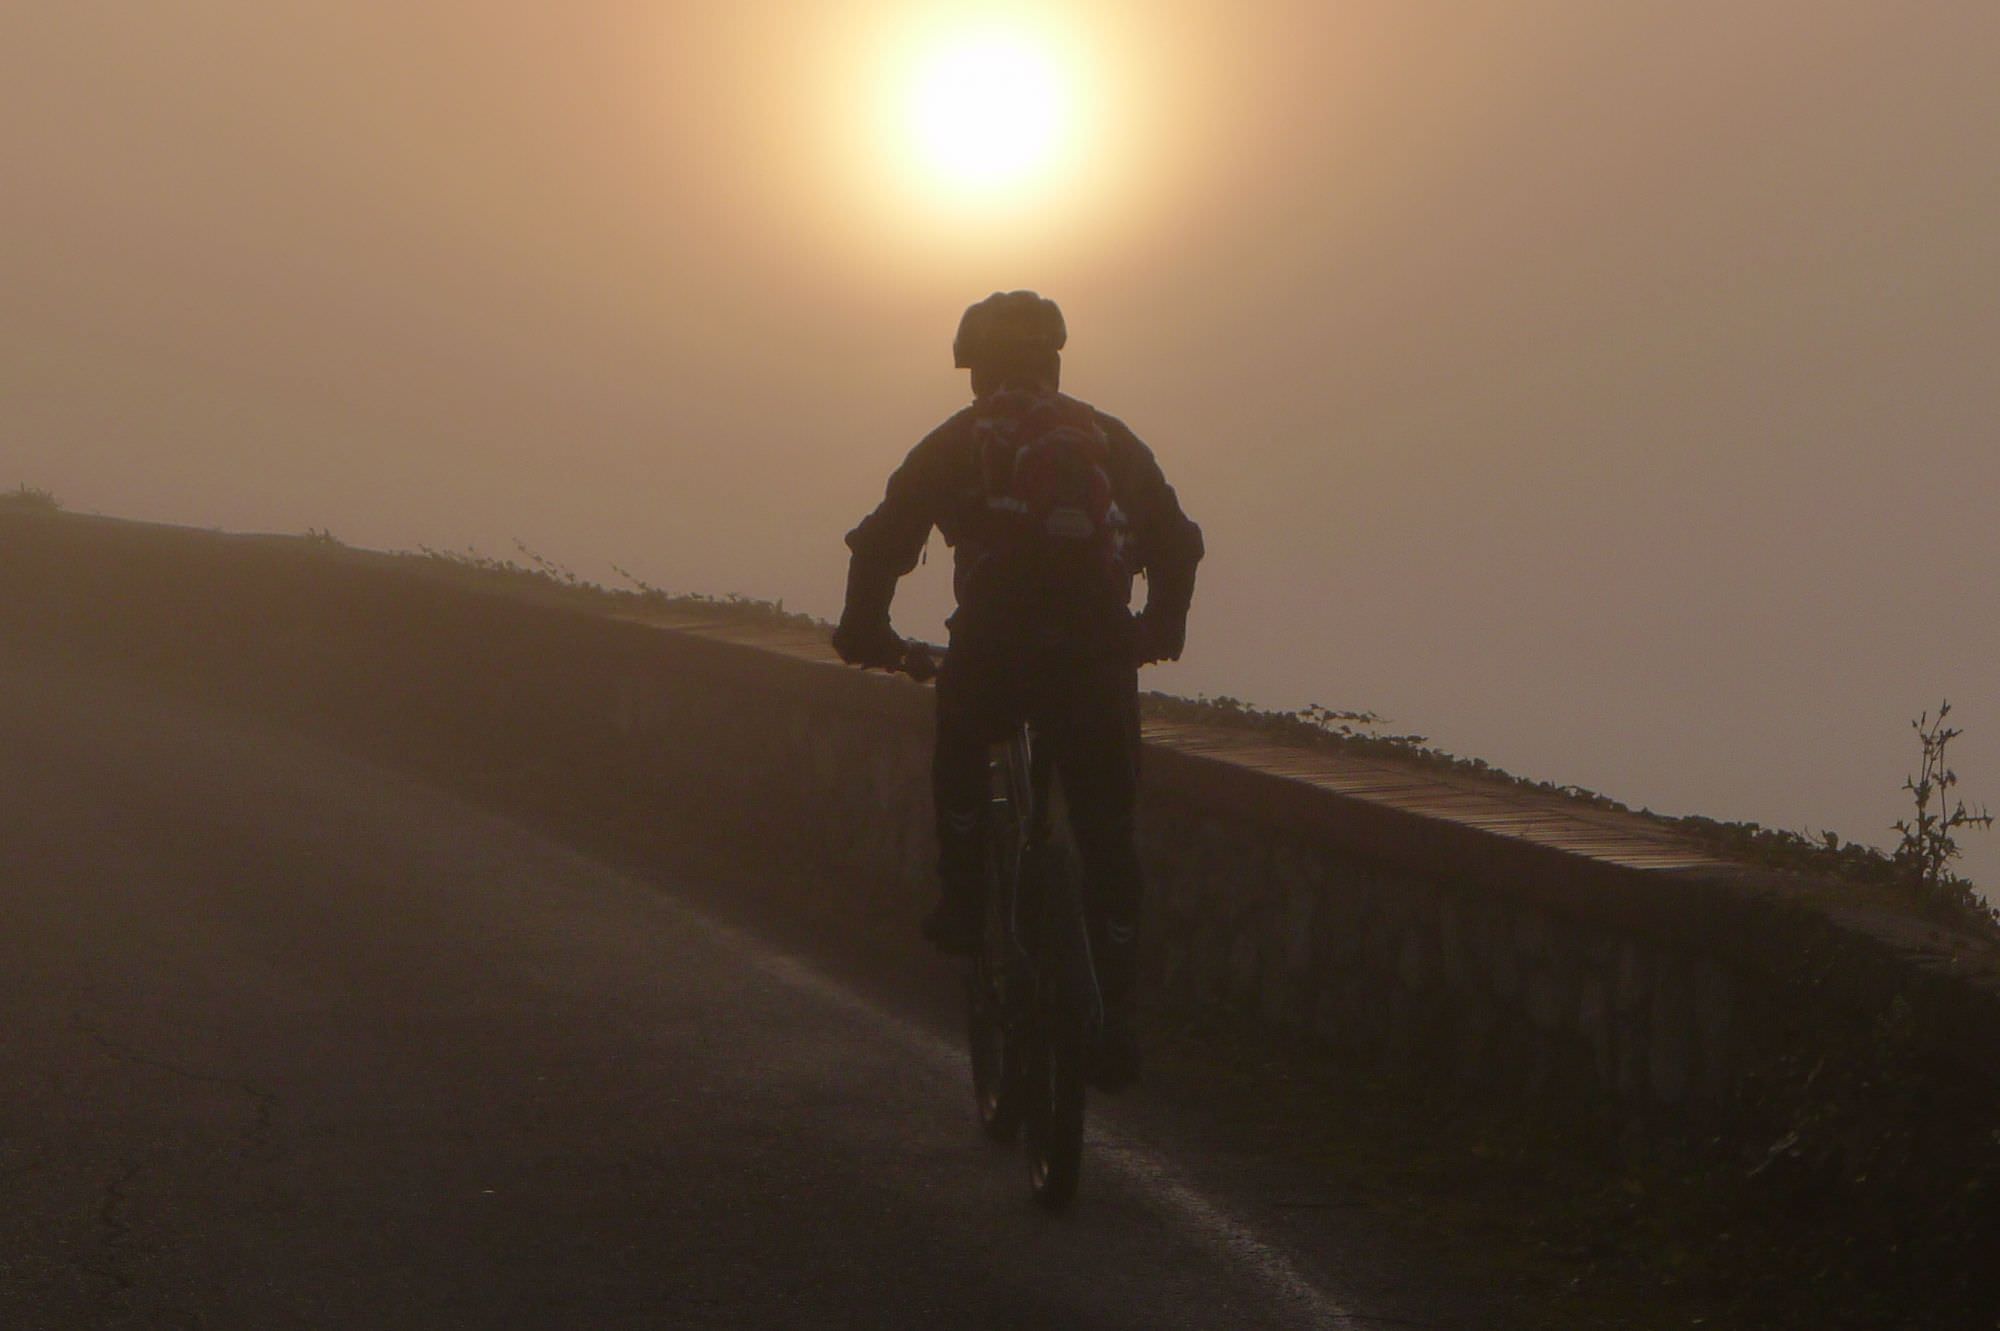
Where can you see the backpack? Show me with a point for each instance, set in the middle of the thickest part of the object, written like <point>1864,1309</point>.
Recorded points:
<point>1053,516</point>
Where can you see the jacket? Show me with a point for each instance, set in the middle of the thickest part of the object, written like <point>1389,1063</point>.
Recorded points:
<point>940,485</point>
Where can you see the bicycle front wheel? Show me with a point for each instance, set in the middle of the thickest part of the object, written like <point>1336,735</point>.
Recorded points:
<point>1064,1011</point>
<point>995,989</point>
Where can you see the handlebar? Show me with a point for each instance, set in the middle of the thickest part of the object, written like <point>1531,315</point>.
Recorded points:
<point>922,661</point>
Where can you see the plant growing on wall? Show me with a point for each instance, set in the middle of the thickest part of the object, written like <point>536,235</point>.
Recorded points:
<point>1929,837</point>
<point>31,497</point>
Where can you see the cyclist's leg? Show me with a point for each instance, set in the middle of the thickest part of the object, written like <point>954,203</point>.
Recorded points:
<point>1097,756</point>
<point>966,727</point>
<point>1098,759</point>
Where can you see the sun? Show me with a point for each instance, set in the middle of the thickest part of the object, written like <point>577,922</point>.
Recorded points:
<point>988,111</point>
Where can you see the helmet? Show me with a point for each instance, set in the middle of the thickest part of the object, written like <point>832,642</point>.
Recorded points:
<point>1008,325</point>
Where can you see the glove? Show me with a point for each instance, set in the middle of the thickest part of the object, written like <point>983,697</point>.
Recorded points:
<point>868,643</point>
<point>1160,637</point>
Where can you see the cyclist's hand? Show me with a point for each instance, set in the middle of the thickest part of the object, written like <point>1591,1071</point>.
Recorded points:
<point>1160,637</point>
<point>919,662</point>
<point>869,644</point>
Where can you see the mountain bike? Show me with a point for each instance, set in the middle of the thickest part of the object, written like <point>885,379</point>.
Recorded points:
<point>1034,1011</point>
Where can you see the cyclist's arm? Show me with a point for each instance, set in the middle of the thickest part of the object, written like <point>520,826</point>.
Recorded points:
<point>889,541</point>
<point>1169,542</point>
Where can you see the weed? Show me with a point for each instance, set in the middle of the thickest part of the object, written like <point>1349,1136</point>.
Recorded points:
<point>1929,844</point>
<point>545,574</point>
<point>31,497</point>
<point>549,568</point>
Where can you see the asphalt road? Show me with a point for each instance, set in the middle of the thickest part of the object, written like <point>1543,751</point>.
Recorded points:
<point>288,1040</point>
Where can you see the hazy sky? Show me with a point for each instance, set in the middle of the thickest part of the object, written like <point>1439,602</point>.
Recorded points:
<point>1604,389</point>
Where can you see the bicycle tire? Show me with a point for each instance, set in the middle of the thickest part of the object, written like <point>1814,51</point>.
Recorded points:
<point>1053,1123</point>
<point>1058,1061</point>
<point>994,984</point>
<point>999,1089</point>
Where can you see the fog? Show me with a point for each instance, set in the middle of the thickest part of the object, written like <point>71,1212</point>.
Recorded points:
<point>1606,391</point>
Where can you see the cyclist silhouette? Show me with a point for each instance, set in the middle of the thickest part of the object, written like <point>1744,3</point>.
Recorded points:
<point>1051,508</point>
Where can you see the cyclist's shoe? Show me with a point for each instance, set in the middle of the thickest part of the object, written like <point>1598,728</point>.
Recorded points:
<point>953,926</point>
<point>1115,1063</point>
